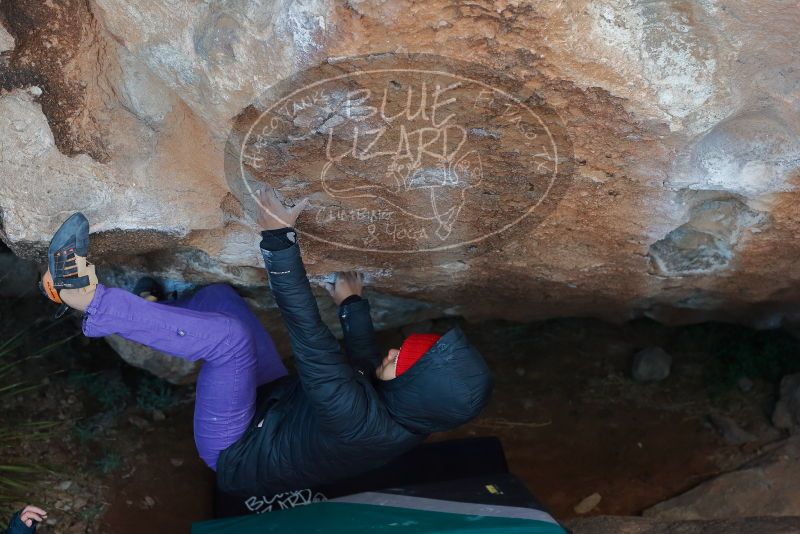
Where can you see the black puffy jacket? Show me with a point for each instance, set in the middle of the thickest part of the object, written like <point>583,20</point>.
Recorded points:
<point>334,419</point>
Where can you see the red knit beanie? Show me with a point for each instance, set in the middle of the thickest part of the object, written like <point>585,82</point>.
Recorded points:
<point>412,350</point>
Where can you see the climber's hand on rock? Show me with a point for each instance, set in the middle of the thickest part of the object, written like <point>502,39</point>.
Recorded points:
<point>347,284</point>
<point>274,213</point>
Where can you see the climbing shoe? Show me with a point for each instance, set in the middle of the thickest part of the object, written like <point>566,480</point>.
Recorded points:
<point>66,261</point>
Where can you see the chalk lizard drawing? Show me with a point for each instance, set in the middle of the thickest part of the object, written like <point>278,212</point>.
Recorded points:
<point>427,173</point>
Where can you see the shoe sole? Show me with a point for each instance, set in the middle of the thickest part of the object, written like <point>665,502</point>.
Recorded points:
<point>71,238</point>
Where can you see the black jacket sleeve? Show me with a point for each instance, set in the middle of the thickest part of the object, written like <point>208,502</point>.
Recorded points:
<point>18,527</point>
<point>279,239</point>
<point>338,397</point>
<point>359,335</point>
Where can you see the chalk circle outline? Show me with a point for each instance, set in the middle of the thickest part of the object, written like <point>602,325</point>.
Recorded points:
<point>460,244</point>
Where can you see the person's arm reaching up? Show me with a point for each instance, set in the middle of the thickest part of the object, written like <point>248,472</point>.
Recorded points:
<point>327,378</point>
<point>354,316</point>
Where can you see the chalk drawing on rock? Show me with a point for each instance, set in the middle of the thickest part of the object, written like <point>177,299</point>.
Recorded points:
<point>404,154</point>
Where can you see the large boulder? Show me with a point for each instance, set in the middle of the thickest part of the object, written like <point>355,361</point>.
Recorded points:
<point>170,368</point>
<point>766,486</point>
<point>787,410</point>
<point>643,525</point>
<point>676,127</point>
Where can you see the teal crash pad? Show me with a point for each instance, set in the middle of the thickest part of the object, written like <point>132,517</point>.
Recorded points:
<point>349,518</point>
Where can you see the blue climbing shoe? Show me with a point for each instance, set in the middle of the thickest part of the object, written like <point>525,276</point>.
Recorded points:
<point>66,261</point>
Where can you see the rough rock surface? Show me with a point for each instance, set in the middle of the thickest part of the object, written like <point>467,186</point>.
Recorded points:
<point>766,486</point>
<point>642,525</point>
<point>681,119</point>
<point>6,41</point>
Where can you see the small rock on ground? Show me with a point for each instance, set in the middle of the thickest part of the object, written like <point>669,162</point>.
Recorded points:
<point>651,365</point>
<point>745,384</point>
<point>730,430</point>
<point>588,504</point>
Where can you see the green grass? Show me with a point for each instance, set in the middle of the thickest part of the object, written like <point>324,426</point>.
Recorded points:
<point>83,432</point>
<point>109,391</point>
<point>108,463</point>
<point>155,394</point>
<point>16,478</point>
<point>22,430</point>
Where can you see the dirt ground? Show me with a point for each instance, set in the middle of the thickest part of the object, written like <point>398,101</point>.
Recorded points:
<point>572,421</point>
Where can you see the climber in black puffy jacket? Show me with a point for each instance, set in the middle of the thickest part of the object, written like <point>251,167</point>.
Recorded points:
<point>344,412</point>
